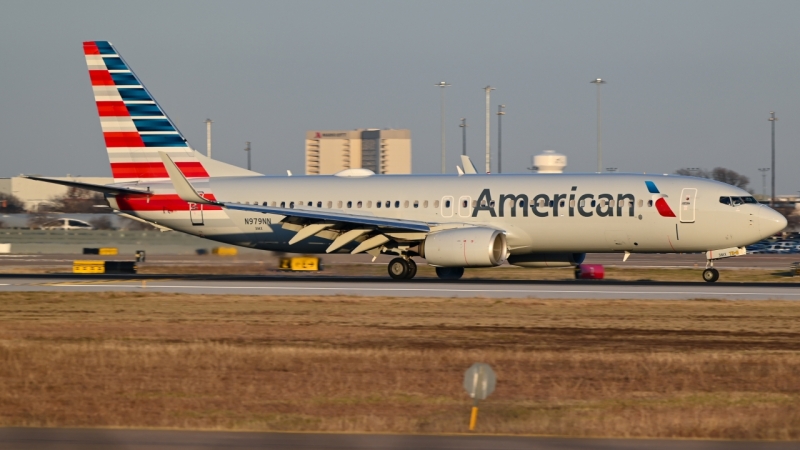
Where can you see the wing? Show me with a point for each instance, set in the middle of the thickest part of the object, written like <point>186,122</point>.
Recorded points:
<point>309,222</point>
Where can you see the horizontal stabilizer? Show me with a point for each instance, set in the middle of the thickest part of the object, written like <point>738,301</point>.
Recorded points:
<point>114,190</point>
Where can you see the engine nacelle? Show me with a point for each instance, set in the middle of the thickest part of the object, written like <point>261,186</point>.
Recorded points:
<point>547,259</point>
<point>465,247</point>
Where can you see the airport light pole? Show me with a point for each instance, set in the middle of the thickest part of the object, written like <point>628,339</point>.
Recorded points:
<point>500,115</point>
<point>247,149</point>
<point>442,85</point>
<point>488,90</point>
<point>598,82</point>
<point>463,127</point>
<point>773,119</point>
<point>208,137</point>
<point>764,171</point>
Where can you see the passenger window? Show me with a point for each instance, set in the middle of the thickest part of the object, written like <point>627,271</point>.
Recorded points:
<point>388,203</point>
<point>582,203</point>
<point>641,203</point>
<point>436,203</point>
<point>521,204</point>
<point>561,203</point>
<point>416,203</point>
<point>474,203</point>
<point>291,205</point>
<point>725,200</point>
<point>358,204</point>
<point>464,203</point>
<point>310,203</point>
<point>425,204</point>
<point>330,204</point>
<point>264,204</point>
<point>339,204</point>
<point>572,203</point>
<point>274,203</point>
<point>397,203</point>
<point>283,204</point>
<point>551,203</point>
<point>319,204</point>
<point>491,203</point>
<point>650,203</point>
<point>246,203</point>
<point>378,204</point>
<point>349,204</point>
<point>405,204</point>
<point>369,203</point>
<point>447,203</point>
<point>594,203</point>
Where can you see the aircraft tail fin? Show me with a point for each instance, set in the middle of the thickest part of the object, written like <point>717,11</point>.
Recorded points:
<point>136,128</point>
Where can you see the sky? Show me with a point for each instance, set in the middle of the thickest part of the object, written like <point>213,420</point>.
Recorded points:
<point>690,83</point>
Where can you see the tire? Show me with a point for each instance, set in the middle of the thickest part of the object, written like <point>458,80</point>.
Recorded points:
<point>449,273</point>
<point>412,269</point>
<point>711,275</point>
<point>398,269</point>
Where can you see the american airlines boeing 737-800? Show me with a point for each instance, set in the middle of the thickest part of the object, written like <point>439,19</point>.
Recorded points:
<point>452,221</point>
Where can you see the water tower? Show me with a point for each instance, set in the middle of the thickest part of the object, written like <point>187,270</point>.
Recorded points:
<point>549,162</point>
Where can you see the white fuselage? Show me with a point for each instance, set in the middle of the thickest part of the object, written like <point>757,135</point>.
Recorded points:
<point>538,212</point>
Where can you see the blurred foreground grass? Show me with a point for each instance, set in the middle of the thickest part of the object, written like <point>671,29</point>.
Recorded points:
<point>696,368</point>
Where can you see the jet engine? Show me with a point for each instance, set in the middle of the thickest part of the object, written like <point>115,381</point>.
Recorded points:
<point>465,247</point>
<point>547,259</point>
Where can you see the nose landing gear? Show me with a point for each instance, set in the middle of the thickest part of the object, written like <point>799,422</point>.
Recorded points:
<point>402,269</point>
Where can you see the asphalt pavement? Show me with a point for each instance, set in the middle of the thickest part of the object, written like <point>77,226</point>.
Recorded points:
<point>383,286</point>
<point>96,439</point>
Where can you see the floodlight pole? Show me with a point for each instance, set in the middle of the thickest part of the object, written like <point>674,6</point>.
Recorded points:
<point>764,171</point>
<point>488,90</point>
<point>500,115</point>
<point>208,137</point>
<point>598,82</point>
<point>442,85</point>
<point>247,149</point>
<point>773,119</point>
<point>463,127</point>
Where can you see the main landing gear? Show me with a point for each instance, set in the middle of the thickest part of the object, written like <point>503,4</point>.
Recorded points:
<point>449,273</point>
<point>711,274</point>
<point>402,269</point>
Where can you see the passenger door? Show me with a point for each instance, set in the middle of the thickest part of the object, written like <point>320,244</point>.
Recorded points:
<point>687,205</point>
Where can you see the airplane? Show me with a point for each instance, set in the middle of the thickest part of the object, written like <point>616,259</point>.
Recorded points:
<point>454,222</point>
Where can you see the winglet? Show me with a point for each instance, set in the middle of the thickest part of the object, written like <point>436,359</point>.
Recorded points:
<point>469,168</point>
<point>182,186</point>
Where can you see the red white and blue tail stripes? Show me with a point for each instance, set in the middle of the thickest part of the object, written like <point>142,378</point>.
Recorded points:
<point>135,127</point>
<point>659,199</point>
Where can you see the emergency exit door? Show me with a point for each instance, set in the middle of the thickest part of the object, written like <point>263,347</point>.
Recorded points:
<point>687,206</point>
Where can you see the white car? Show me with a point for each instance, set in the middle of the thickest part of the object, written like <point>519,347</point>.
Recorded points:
<point>67,224</point>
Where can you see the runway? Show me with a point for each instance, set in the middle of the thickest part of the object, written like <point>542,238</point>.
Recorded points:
<point>73,439</point>
<point>375,286</point>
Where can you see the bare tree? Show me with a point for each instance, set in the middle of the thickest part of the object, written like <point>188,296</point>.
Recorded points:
<point>719,174</point>
<point>11,204</point>
<point>77,201</point>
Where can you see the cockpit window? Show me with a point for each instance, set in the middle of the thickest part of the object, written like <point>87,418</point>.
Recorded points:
<point>750,200</point>
<point>736,201</point>
<point>725,200</point>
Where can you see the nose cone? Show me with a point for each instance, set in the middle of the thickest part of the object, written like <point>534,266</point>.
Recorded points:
<point>770,221</point>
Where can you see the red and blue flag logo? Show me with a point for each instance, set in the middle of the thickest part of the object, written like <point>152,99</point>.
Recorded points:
<point>659,200</point>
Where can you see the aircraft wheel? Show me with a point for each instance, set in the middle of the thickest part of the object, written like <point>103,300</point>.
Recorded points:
<point>449,273</point>
<point>398,268</point>
<point>412,268</point>
<point>711,275</point>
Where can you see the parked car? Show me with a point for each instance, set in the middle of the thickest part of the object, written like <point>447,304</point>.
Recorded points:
<point>67,224</point>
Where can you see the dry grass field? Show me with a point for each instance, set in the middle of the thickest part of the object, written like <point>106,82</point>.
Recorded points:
<point>697,368</point>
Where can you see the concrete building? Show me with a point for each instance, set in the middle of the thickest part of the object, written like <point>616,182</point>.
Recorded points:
<point>381,151</point>
<point>33,193</point>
